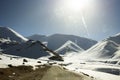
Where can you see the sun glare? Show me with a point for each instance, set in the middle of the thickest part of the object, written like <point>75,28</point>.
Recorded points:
<point>72,11</point>
<point>76,5</point>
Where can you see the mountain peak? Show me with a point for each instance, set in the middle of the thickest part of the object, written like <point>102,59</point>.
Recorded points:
<point>69,46</point>
<point>118,34</point>
<point>115,38</point>
<point>6,32</point>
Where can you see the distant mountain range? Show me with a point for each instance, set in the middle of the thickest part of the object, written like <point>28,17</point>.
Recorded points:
<point>57,40</point>
<point>13,43</point>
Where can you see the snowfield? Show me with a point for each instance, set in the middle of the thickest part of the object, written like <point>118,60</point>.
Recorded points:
<point>95,68</point>
<point>78,66</point>
<point>6,60</point>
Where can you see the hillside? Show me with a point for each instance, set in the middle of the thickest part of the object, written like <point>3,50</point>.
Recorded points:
<point>31,49</point>
<point>69,46</point>
<point>8,33</point>
<point>108,49</point>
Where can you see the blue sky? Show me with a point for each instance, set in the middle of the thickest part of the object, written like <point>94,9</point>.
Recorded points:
<point>46,17</point>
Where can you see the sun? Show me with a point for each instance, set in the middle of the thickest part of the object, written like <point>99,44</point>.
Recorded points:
<point>73,11</point>
<point>76,5</point>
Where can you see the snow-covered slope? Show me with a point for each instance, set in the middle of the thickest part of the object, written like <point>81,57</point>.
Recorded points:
<point>8,33</point>
<point>115,38</point>
<point>69,46</point>
<point>57,40</point>
<point>6,60</point>
<point>6,43</point>
<point>31,49</point>
<point>117,54</point>
<point>108,49</point>
<point>103,49</point>
<point>2,40</point>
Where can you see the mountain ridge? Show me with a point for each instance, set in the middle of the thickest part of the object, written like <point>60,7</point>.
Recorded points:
<point>108,48</point>
<point>69,46</point>
<point>8,33</point>
<point>60,39</point>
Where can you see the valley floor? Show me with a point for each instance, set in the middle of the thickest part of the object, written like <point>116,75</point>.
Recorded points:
<point>70,69</point>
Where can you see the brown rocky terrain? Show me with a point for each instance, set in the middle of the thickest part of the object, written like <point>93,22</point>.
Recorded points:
<point>43,72</point>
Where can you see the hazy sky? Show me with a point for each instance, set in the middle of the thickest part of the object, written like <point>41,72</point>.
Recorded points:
<point>97,20</point>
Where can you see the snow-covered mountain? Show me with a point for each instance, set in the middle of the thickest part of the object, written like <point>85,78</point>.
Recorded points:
<point>69,46</point>
<point>115,38</point>
<point>30,49</point>
<point>13,43</point>
<point>103,49</point>
<point>57,40</point>
<point>108,49</point>
<point>8,33</point>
